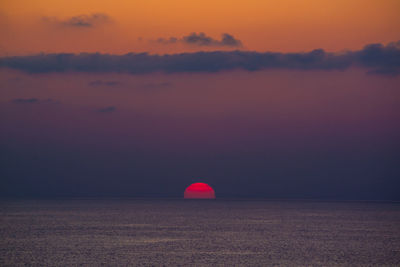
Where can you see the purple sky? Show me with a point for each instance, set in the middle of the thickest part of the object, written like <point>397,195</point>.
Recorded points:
<point>268,133</point>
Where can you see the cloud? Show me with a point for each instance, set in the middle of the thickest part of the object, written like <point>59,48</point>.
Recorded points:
<point>201,39</point>
<point>376,58</point>
<point>80,21</point>
<point>33,100</point>
<point>229,40</point>
<point>107,109</point>
<point>385,71</point>
<point>383,60</point>
<point>104,83</point>
<point>171,40</point>
<point>25,100</point>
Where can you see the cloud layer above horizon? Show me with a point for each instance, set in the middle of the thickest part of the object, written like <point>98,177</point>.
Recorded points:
<point>376,58</point>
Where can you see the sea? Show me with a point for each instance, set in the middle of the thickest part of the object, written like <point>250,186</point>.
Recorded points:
<point>177,232</point>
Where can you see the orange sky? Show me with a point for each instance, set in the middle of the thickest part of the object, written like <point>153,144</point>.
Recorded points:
<point>273,25</point>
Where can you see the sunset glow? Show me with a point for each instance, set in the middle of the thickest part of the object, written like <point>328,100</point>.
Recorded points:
<point>111,109</point>
<point>288,25</point>
<point>289,98</point>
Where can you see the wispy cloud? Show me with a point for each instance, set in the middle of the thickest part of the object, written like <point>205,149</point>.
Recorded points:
<point>25,100</point>
<point>170,40</point>
<point>33,101</point>
<point>80,21</point>
<point>376,58</point>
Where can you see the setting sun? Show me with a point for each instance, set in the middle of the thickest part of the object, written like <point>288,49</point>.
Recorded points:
<point>199,191</point>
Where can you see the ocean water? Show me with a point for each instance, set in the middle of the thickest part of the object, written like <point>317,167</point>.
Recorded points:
<point>198,233</point>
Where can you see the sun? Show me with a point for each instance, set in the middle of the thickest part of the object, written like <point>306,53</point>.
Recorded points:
<point>199,191</point>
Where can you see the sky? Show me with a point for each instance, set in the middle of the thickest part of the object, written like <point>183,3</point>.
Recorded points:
<point>290,99</point>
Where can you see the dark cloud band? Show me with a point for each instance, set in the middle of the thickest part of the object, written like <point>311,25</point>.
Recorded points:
<point>377,58</point>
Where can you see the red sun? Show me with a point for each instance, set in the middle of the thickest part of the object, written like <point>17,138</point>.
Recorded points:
<point>199,191</point>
